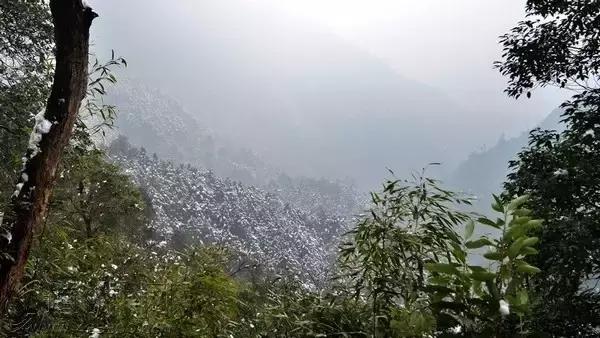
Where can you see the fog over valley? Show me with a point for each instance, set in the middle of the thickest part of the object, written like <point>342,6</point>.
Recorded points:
<point>313,102</point>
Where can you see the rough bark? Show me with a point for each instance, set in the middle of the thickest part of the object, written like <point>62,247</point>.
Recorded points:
<point>72,20</point>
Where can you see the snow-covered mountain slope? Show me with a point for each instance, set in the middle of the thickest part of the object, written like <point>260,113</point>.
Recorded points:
<point>196,206</point>
<point>151,119</point>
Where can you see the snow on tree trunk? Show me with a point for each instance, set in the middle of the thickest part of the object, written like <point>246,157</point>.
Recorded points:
<point>51,133</point>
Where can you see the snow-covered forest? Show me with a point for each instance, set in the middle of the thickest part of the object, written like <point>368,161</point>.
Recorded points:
<point>267,169</point>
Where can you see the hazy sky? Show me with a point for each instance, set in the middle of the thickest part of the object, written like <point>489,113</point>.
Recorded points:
<point>447,44</point>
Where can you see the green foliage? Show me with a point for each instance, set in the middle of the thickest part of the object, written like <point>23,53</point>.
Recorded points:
<point>95,116</point>
<point>557,44</point>
<point>472,296</point>
<point>26,42</point>
<point>111,281</point>
<point>559,172</point>
<point>72,285</point>
<point>284,307</point>
<point>123,290</point>
<point>93,197</point>
<point>189,295</point>
<point>409,225</point>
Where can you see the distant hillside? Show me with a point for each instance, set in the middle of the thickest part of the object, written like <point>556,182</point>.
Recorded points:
<point>151,119</point>
<point>483,173</point>
<point>195,206</point>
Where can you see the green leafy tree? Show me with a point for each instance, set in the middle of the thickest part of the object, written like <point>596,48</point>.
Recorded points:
<point>559,172</point>
<point>94,196</point>
<point>490,299</point>
<point>409,225</point>
<point>557,44</point>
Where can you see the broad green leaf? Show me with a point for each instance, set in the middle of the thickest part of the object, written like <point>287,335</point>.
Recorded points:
<point>534,223</point>
<point>517,202</point>
<point>441,268</point>
<point>526,268</point>
<point>515,248</point>
<point>483,275</point>
<point>522,212</point>
<point>516,231</point>
<point>529,251</point>
<point>530,241</point>
<point>520,220</point>
<point>476,244</point>
<point>494,256</point>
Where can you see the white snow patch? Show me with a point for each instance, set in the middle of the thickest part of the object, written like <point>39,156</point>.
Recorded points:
<point>589,132</point>
<point>561,172</point>
<point>504,308</point>
<point>95,333</point>
<point>456,330</point>
<point>18,189</point>
<point>7,235</point>
<point>41,127</point>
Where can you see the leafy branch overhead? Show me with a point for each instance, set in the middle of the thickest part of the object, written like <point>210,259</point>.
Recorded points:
<point>556,44</point>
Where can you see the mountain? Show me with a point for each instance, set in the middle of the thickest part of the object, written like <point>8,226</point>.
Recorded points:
<point>484,172</point>
<point>152,119</point>
<point>304,100</point>
<point>191,205</point>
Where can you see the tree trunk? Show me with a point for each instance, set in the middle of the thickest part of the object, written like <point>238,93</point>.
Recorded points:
<point>51,133</point>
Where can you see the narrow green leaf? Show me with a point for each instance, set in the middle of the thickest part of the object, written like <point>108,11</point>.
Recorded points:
<point>470,227</point>
<point>497,204</point>
<point>489,222</point>
<point>441,268</point>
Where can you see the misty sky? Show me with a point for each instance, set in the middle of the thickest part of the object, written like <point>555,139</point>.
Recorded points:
<point>450,45</point>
